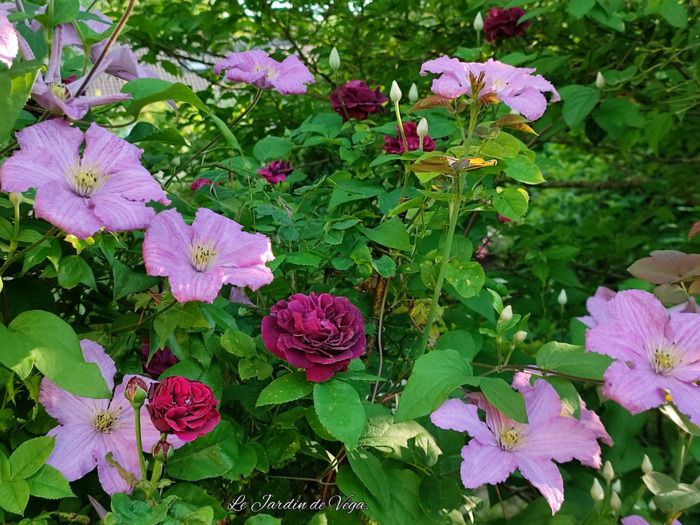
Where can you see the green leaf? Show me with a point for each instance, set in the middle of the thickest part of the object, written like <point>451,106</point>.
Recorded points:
<point>49,483</point>
<point>467,278</point>
<point>48,342</point>
<point>5,474</point>
<point>392,234</point>
<point>30,456</point>
<point>263,519</point>
<point>567,393</point>
<point>16,84</point>
<point>14,496</point>
<point>74,270</point>
<point>238,343</point>
<point>340,410</point>
<point>501,395</point>
<point>289,387</point>
<point>511,202</point>
<point>369,471</point>
<point>674,13</point>
<point>572,360</point>
<point>272,148</point>
<point>579,101</point>
<point>209,456</point>
<point>523,170</point>
<point>64,12</point>
<point>385,266</point>
<point>669,495</point>
<point>503,146</point>
<point>435,375</point>
<point>578,8</point>
<point>127,281</point>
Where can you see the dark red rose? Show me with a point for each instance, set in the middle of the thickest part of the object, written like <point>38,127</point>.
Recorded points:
<point>198,183</point>
<point>159,363</point>
<point>276,171</point>
<point>182,407</point>
<point>358,98</point>
<point>395,144</point>
<point>503,23</point>
<point>320,333</point>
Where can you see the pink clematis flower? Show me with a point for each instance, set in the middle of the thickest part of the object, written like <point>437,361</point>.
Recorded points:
<point>9,43</point>
<point>91,428</point>
<point>200,259</point>
<point>597,307</point>
<point>105,187</point>
<point>516,87</point>
<point>256,67</point>
<point>501,445</point>
<point>656,352</point>
<point>638,520</point>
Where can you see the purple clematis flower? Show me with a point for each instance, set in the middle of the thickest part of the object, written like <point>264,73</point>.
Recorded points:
<point>288,77</point>
<point>105,187</point>
<point>501,445</point>
<point>638,520</point>
<point>200,259</point>
<point>91,428</point>
<point>597,307</point>
<point>516,87</point>
<point>9,43</point>
<point>656,352</point>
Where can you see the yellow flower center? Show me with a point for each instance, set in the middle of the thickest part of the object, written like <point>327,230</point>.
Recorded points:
<point>104,421</point>
<point>59,91</point>
<point>202,256</point>
<point>663,361</point>
<point>85,180</point>
<point>510,438</point>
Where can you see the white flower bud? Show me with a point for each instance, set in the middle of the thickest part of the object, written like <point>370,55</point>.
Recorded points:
<point>413,93</point>
<point>599,80</point>
<point>608,472</point>
<point>615,502</point>
<point>422,128</point>
<point>519,336</point>
<point>395,93</point>
<point>15,198</point>
<point>652,505</point>
<point>597,492</point>
<point>562,299</point>
<point>617,486</point>
<point>334,59</point>
<point>506,314</point>
<point>478,22</point>
<point>646,465</point>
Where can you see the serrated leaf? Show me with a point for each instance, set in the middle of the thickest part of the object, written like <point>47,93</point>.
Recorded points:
<point>30,456</point>
<point>340,410</point>
<point>289,387</point>
<point>49,483</point>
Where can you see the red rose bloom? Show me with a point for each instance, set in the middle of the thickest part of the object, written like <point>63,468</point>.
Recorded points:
<point>162,359</point>
<point>277,171</point>
<point>503,23</point>
<point>395,144</point>
<point>320,333</point>
<point>358,98</point>
<point>182,407</point>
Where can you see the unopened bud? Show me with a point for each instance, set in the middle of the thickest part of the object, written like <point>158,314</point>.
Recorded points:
<point>422,128</point>
<point>136,391</point>
<point>562,299</point>
<point>652,505</point>
<point>15,198</point>
<point>519,336</point>
<point>646,465</point>
<point>395,92</point>
<point>615,502</point>
<point>617,486</point>
<point>413,93</point>
<point>506,314</point>
<point>608,472</point>
<point>599,80</point>
<point>597,492</point>
<point>334,59</point>
<point>478,22</point>
<point>162,451</point>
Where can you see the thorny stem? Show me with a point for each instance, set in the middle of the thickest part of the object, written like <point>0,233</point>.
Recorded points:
<point>108,46</point>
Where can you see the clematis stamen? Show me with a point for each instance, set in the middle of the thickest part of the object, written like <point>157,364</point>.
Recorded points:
<point>59,91</point>
<point>663,361</point>
<point>104,421</point>
<point>85,180</point>
<point>202,256</point>
<point>510,438</point>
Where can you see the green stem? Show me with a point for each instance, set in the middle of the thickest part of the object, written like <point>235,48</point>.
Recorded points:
<point>139,444</point>
<point>402,133</point>
<point>157,471</point>
<point>12,258</point>
<point>680,459</point>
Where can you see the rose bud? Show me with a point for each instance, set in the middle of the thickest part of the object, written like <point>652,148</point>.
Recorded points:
<point>136,391</point>
<point>162,451</point>
<point>319,332</point>
<point>182,407</point>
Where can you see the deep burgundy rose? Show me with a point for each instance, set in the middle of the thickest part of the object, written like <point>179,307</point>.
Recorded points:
<point>276,171</point>
<point>182,407</point>
<point>395,145</point>
<point>359,100</point>
<point>503,23</point>
<point>159,363</point>
<point>320,333</point>
<point>198,183</point>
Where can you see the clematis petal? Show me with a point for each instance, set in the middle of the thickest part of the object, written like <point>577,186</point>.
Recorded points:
<point>616,341</point>
<point>485,464</point>
<point>542,402</point>
<point>546,441</point>
<point>455,414</point>
<point>637,389</point>
<point>686,397</point>
<point>530,103</point>
<point>592,422</point>
<point>684,333</point>
<point>9,43</point>
<point>29,168</point>
<point>187,284</point>
<point>61,207</point>
<point>166,245</point>
<point>72,452</point>
<point>545,477</point>
<point>94,353</point>
<point>107,152</point>
<point>55,136</point>
<point>639,313</point>
<point>67,408</point>
<point>118,214</point>
<point>122,445</point>
<point>293,77</point>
